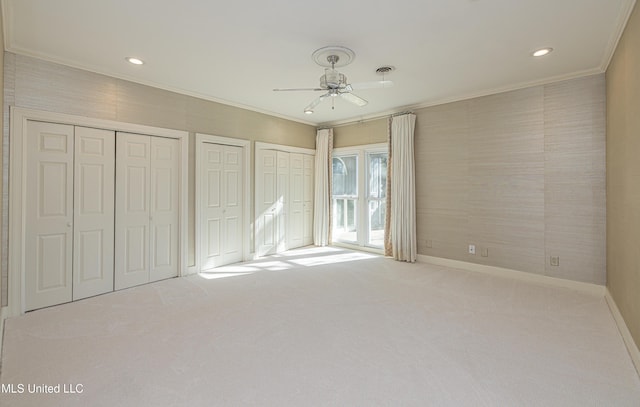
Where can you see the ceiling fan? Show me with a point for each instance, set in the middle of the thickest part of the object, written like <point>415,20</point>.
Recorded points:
<point>334,83</point>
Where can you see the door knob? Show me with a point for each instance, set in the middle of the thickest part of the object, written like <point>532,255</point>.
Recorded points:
<point>69,224</point>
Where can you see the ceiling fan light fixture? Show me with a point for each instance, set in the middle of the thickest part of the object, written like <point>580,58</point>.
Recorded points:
<point>332,79</point>
<point>542,52</point>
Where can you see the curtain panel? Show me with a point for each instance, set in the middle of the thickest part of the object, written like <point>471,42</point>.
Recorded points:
<point>388,247</point>
<point>322,191</point>
<point>402,221</point>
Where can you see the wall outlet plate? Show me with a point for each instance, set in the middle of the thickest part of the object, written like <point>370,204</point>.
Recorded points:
<point>484,252</point>
<point>472,249</point>
<point>555,260</point>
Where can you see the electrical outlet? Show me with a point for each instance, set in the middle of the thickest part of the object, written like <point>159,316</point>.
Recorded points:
<point>484,252</point>
<point>555,260</point>
<point>429,244</point>
<point>472,249</point>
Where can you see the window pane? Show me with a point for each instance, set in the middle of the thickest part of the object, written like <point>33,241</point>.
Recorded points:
<point>338,214</point>
<point>377,210</point>
<point>345,175</point>
<point>351,215</point>
<point>377,175</point>
<point>345,220</point>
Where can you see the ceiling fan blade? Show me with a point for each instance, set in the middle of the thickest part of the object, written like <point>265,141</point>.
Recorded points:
<point>356,100</point>
<point>297,89</point>
<point>316,102</point>
<point>371,85</point>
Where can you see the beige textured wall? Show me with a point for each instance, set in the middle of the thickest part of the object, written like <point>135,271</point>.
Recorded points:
<point>3,279</point>
<point>623,176</point>
<point>36,84</point>
<point>521,174</point>
<point>369,132</point>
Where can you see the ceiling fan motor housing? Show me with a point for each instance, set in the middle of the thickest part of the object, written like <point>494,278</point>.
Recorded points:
<point>332,79</point>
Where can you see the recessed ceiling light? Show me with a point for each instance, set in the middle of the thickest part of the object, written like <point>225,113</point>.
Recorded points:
<point>308,111</point>
<point>134,60</point>
<point>542,52</point>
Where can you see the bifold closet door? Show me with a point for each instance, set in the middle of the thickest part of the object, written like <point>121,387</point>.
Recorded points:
<point>133,185</point>
<point>69,213</point>
<point>266,203</point>
<point>147,240</point>
<point>283,199</point>
<point>93,201</point>
<point>296,202</point>
<point>49,215</point>
<point>164,208</point>
<point>221,205</point>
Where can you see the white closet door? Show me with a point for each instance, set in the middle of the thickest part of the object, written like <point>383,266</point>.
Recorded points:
<point>296,204</point>
<point>267,205</point>
<point>164,205</point>
<point>283,199</point>
<point>49,215</point>
<point>233,205</point>
<point>211,189</point>
<point>93,224</point>
<point>222,205</point>
<point>307,234</point>
<point>133,178</point>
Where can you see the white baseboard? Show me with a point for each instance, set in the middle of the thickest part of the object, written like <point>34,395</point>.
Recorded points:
<point>593,289</point>
<point>634,352</point>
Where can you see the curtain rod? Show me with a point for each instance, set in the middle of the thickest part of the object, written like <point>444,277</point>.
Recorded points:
<point>402,113</point>
<point>362,121</point>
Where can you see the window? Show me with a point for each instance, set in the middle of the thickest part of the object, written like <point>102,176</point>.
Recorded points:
<point>377,197</point>
<point>345,197</point>
<point>359,195</point>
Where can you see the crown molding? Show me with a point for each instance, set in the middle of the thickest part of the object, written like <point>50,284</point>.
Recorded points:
<point>614,40</point>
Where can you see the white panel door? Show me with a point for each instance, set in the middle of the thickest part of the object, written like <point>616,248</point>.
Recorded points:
<point>283,198</point>
<point>296,202</point>
<point>164,208</point>
<point>233,208</point>
<point>221,205</point>
<point>49,215</point>
<point>267,205</point>
<point>308,183</point>
<point>133,178</point>
<point>211,189</point>
<point>93,225</point>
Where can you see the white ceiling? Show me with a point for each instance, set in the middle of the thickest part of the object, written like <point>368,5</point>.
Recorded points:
<point>236,52</point>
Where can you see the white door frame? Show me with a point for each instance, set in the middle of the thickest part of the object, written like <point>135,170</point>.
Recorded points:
<point>246,191</point>
<point>17,194</point>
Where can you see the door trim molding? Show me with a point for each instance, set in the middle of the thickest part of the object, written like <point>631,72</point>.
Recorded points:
<point>17,194</point>
<point>201,139</point>
<point>281,147</point>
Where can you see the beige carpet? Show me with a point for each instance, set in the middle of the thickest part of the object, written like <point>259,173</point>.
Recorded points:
<point>324,327</point>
